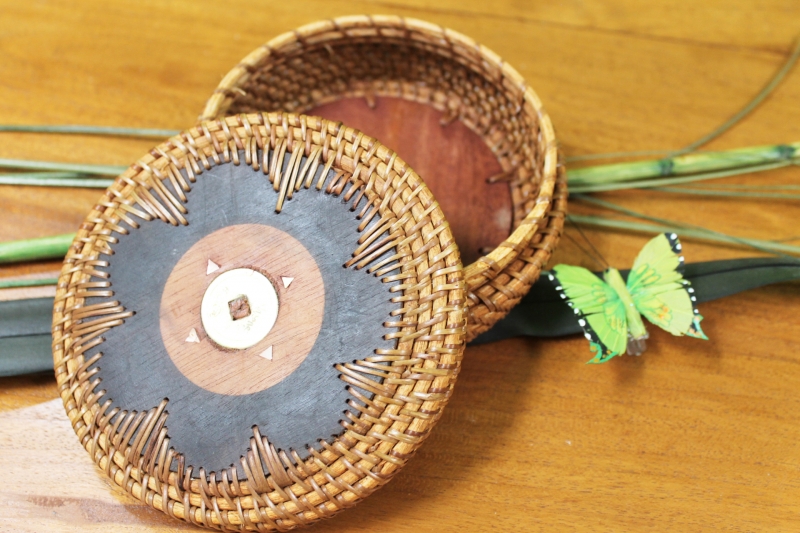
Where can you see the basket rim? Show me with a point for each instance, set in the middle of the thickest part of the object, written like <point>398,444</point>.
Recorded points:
<point>483,269</point>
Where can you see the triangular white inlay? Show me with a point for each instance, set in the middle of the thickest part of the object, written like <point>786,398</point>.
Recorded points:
<point>267,354</point>
<point>286,281</point>
<point>212,267</point>
<point>193,336</point>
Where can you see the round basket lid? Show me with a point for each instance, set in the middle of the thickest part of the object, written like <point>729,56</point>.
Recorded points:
<point>259,322</point>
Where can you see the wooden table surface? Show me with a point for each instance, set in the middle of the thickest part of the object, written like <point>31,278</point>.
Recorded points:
<point>692,436</point>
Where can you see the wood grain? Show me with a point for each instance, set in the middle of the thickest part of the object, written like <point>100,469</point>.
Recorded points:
<point>449,158</point>
<point>692,436</point>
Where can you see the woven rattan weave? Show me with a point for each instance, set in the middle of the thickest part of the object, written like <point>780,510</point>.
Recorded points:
<point>396,389</point>
<point>368,56</point>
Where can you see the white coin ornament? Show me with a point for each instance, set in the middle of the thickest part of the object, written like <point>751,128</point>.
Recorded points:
<point>239,308</point>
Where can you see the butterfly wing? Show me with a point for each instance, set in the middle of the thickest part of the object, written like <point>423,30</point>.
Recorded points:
<point>600,312</point>
<point>659,290</point>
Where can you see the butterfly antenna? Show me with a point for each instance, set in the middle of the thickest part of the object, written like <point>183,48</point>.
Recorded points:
<point>597,257</point>
<point>584,250</point>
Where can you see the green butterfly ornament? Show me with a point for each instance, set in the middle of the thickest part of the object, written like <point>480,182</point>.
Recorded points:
<point>610,310</point>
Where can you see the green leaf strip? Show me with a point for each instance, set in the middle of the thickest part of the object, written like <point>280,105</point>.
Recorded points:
<point>750,195</point>
<point>711,164</point>
<point>542,313</point>
<point>36,249</point>
<point>24,283</point>
<point>88,130</point>
<point>664,225</point>
<point>25,324</point>
<point>61,179</point>
<point>102,170</point>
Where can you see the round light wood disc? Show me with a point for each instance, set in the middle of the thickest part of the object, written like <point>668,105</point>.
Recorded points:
<point>277,256</point>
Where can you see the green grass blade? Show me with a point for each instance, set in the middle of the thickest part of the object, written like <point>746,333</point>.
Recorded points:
<point>36,249</point>
<point>701,186</point>
<point>755,158</point>
<point>727,125</point>
<point>22,283</point>
<point>616,155</point>
<point>87,130</point>
<point>593,220</point>
<point>48,175</point>
<point>682,229</point>
<point>90,183</point>
<point>729,194</point>
<point>104,170</point>
<point>661,182</point>
<point>754,103</point>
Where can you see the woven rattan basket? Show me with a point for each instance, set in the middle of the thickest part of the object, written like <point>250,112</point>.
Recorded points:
<point>164,407</point>
<point>368,56</point>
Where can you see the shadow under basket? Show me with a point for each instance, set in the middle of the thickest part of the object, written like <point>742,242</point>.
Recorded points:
<point>413,78</point>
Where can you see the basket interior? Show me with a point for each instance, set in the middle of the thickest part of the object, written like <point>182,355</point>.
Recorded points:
<point>455,160</point>
<point>456,87</point>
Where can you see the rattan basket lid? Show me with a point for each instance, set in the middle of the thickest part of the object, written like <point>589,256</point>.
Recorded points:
<point>259,322</point>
